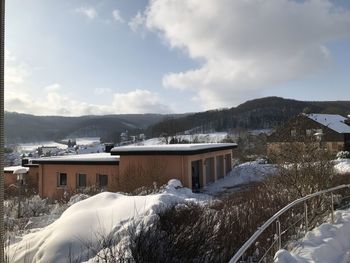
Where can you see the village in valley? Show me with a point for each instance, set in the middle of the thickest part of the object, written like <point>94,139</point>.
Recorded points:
<point>165,131</point>
<point>50,186</point>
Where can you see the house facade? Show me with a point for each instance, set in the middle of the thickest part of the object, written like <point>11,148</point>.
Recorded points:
<point>61,174</point>
<point>195,165</point>
<point>332,131</point>
<point>130,167</point>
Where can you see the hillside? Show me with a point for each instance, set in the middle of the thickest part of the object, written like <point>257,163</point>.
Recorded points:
<point>30,128</point>
<point>261,113</point>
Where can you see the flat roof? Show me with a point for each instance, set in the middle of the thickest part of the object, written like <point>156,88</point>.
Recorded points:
<point>11,169</point>
<point>89,158</point>
<point>172,149</point>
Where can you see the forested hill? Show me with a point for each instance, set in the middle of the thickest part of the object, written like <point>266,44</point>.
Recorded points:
<point>261,113</point>
<point>29,128</point>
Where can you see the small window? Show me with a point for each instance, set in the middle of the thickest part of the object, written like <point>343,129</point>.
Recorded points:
<point>309,132</point>
<point>62,179</point>
<point>81,180</point>
<point>103,180</point>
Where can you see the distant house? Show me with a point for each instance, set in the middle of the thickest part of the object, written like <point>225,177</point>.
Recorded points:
<point>333,131</point>
<point>30,178</point>
<point>130,167</point>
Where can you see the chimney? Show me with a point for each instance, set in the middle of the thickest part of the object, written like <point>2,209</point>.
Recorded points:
<point>25,161</point>
<point>108,147</point>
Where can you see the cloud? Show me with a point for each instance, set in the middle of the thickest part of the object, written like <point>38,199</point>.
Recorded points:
<point>15,71</point>
<point>246,46</point>
<point>102,91</point>
<point>139,101</point>
<point>137,22</point>
<point>88,11</point>
<point>54,103</point>
<point>117,16</point>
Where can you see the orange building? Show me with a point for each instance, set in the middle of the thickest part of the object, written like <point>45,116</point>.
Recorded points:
<point>130,167</point>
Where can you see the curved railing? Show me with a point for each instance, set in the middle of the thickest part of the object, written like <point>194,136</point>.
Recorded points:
<point>276,218</point>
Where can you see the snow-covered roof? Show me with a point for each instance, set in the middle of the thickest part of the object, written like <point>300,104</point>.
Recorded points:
<point>173,148</point>
<point>332,121</point>
<point>79,158</point>
<point>16,169</point>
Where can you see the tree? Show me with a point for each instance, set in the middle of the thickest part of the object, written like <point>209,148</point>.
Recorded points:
<point>302,168</point>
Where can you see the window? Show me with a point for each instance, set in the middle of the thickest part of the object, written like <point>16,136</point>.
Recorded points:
<point>102,180</point>
<point>62,180</point>
<point>81,180</point>
<point>309,132</point>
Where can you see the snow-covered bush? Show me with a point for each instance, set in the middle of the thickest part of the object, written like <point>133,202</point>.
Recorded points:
<point>343,155</point>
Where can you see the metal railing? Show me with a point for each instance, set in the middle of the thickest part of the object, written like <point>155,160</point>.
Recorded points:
<point>247,253</point>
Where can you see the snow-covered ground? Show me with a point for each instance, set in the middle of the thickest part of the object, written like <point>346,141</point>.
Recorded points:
<point>342,166</point>
<point>325,244</point>
<point>201,137</point>
<point>244,173</point>
<point>103,214</point>
<point>31,147</point>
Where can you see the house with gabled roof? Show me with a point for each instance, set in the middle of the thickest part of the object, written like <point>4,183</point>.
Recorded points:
<point>330,130</point>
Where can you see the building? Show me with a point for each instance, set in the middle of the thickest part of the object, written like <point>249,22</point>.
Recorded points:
<point>331,131</point>
<point>29,180</point>
<point>72,173</point>
<point>130,167</point>
<point>195,165</point>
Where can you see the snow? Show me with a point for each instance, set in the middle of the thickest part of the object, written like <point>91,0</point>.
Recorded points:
<point>81,157</point>
<point>31,147</point>
<point>200,137</point>
<point>16,169</point>
<point>103,214</point>
<point>324,244</point>
<point>244,173</point>
<point>172,147</point>
<point>342,166</point>
<point>332,121</point>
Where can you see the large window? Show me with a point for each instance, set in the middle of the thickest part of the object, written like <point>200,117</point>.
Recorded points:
<point>81,180</point>
<point>102,180</point>
<point>62,180</point>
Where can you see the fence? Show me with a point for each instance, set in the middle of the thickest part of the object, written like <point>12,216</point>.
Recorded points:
<point>297,217</point>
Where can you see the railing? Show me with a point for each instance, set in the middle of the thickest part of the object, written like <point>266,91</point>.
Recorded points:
<point>300,210</point>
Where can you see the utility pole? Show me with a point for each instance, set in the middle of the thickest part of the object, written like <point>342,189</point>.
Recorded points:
<point>2,90</point>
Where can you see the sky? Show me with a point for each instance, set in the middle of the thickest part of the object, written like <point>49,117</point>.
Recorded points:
<point>74,57</point>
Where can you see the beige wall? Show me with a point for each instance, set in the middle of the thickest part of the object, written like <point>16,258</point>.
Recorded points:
<point>332,147</point>
<point>48,177</point>
<point>135,171</point>
<point>143,170</point>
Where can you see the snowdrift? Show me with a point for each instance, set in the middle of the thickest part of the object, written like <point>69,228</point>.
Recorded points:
<point>103,214</point>
<point>326,243</point>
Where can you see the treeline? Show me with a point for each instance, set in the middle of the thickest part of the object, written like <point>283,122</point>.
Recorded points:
<point>262,113</point>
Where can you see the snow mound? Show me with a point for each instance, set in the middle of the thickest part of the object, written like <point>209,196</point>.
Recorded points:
<point>244,173</point>
<point>103,214</point>
<point>326,243</point>
<point>342,166</point>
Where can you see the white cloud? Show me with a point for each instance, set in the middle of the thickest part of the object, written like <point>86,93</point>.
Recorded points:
<point>102,91</point>
<point>15,71</point>
<point>137,22</point>
<point>88,11</point>
<point>139,101</point>
<point>117,16</point>
<point>246,45</point>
